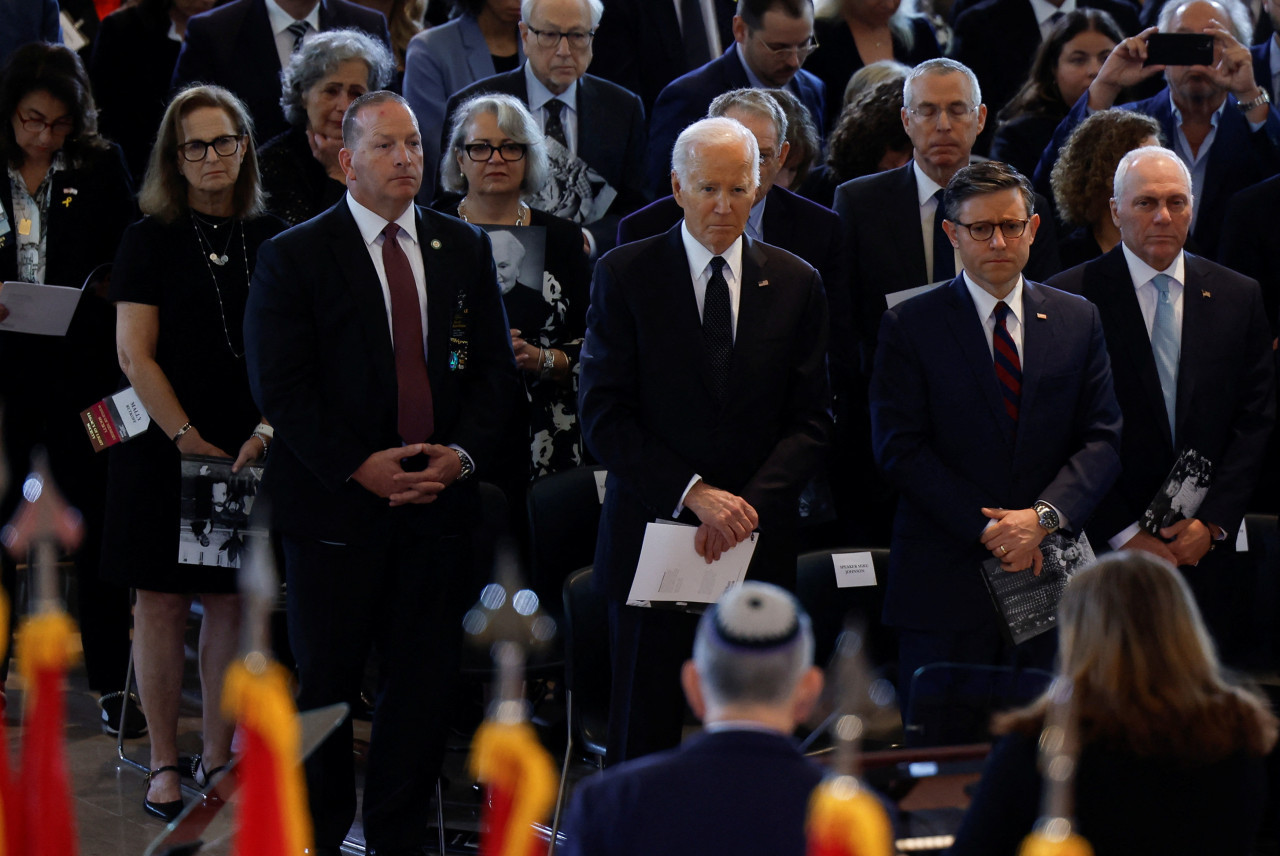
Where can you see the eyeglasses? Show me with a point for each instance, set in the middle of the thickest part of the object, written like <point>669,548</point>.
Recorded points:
<point>224,147</point>
<point>551,38</point>
<point>481,152</point>
<point>801,52</point>
<point>958,112</point>
<point>36,125</point>
<point>984,231</point>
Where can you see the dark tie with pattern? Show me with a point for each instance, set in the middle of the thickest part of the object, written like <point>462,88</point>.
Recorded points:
<point>555,127</point>
<point>298,29</point>
<point>696,50</point>
<point>944,257</point>
<point>416,420</point>
<point>1008,366</point>
<point>717,329</point>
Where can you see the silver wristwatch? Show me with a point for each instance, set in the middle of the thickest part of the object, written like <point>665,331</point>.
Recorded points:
<point>1048,516</point>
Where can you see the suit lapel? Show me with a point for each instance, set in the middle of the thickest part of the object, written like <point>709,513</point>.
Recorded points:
<point>1196,331</point>
<point>971,339</point>
<point>361,280</point>
<point>904,215</point>
<point>777,225</point>
<point>671,274</point>
<point>588,107</point>
<point>437,267</point>
<point>260,42</point>
<point>754,302</point>
<point>1038,334</point>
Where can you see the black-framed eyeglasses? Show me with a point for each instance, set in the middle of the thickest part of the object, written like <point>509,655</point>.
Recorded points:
<point>509,152</point>
<point>549,39</point>
<point>800,51</point>
<point>958,111</point>
<point>984,231</point>
<point>36,125</point>
<point>224,147</point>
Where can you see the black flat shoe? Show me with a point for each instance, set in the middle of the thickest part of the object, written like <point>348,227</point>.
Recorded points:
<point>166,811</point>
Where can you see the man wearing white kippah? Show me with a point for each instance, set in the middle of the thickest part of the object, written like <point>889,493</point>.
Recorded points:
<point>741,785</point>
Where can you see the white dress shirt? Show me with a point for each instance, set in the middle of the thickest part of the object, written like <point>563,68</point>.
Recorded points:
<point>280,21</point>
<point>925,188</point>
<point>371,225</point>
<point>539,95</point>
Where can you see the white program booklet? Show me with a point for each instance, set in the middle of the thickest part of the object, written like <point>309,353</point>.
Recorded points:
<point>45,310</point>
<point>671,573</point>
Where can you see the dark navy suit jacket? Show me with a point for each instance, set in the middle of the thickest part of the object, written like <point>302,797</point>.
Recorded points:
<point>1238,157</point>
<point>937,422</point>
<point>646,409</point>
<point>610,138</point>
<point>685,100</point>
<point>233,46</point>
<point>1262,66</point>
<point>708,796</point>
<point>1226,401</point>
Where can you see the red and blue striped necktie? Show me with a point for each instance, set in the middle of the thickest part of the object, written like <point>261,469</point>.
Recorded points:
<point>1008,367</point>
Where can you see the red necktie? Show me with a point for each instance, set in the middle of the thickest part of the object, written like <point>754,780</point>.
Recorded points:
<point>416,421</point>
<point>1008,366</point>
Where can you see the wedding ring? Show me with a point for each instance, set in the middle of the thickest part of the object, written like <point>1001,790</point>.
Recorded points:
<point>1004,551</point>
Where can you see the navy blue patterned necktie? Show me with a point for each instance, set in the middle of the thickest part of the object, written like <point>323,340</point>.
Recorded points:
<point>555,124</point>
<point>944,257</point>
<point>1008,366</point>
<point>298,29</point>
<point>717,328</point>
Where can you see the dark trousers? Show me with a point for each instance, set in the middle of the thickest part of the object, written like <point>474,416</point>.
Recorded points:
<point>646,704</point>
<point>399,592</point>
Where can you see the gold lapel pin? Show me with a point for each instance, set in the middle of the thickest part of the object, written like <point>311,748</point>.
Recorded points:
<point>1042,316</point>
<point>1205,293</point>
<point>66,203</point>
<point>762,283</point>
<point>70,191</point>
<point>435,243</point>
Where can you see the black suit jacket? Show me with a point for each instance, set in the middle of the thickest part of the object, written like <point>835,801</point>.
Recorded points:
<point>610,138</point>
<point>233,46</point>
<point>685,100</point>
<point>639,45</point>
<point>795,224</point>
<point>645,404</point>
<point>997,39</point>
<point>1248,245</point>
<point>1226,400</point>
<point>885,249</point>
<point>938,431</point>
<point>322,369</point>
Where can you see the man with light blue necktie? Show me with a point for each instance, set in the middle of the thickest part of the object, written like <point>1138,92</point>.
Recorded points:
<point>1191,355</point>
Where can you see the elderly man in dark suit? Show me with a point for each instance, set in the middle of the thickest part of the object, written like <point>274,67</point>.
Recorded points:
<point>704,393</point>
<point>751,681</point>
<point>243,45</point>
<point>1266,55</point>
<point>378,348</point>
<point>893,233</point>
<point>594,122</point>
<point>993,416</point>
<point>772,39</point>
<point>1217,118</point>
<point>1193,370</point>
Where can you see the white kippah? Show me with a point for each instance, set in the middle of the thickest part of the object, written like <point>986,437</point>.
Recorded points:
<point>756,615</point>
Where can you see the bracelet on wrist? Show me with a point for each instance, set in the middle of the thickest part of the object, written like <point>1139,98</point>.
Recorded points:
<point>183,430</point>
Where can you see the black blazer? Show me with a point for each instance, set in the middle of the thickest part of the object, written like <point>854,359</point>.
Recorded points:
<point>645,407</point>
<point>610,138</point>
<point>322,369</point>
<point>1226,400</point>
<point>1248,245</point>
<point>233,46</point>
<point>885,249</point>
<point>938,429</point>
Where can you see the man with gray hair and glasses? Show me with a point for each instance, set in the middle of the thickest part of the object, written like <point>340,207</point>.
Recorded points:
<point>740,786</point>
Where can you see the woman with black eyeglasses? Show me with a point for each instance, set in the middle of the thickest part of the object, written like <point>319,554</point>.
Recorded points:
<point>496,157</point>
<point>65,200</point>
<point>180,284</point>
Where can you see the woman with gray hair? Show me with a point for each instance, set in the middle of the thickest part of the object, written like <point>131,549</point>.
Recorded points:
<point>300,171</point>
<point>495,159</point>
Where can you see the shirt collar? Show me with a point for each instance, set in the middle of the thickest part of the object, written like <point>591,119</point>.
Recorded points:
<point>1274,54</point>
<point>925,186</point>
<point>756,217</point>
<point>699,256</point>
<point>1177,114</point>
<point>280,19</point>
<point>371,224</point>
<point>752,80</point>
<point>539,94</point>
<point>1045,10</point>
<point>986,302</point>
<point>1142,273</point>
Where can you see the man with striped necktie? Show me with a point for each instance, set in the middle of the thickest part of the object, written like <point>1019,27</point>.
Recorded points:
<point>993,416</point>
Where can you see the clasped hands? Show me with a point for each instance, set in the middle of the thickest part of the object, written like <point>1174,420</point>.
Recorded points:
<point>1015,538</point>
<point>727,520</point>
<point>1189,540</point>
<point>383,473</point>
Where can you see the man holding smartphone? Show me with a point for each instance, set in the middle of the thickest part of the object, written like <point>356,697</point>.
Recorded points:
<point>1215,117</point>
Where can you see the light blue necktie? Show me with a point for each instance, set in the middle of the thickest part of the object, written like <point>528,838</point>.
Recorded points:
<point>1166,346</point>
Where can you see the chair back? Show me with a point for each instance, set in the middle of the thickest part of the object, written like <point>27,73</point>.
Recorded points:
<point>951,704</point>
<point>830,607</point>
<point>564,516</point>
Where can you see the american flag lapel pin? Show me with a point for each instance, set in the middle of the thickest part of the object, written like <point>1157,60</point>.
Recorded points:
<point>1204,292</point>
<point>1042,316</point>
<point>762,283</point>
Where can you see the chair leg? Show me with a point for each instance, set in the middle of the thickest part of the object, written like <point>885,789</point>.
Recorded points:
<point>564,772</point>
<point>440,815</point>
<point>128,688</point>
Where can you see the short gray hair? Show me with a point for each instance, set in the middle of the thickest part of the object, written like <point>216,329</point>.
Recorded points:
<point>595,7</point>
<point>1237,14</point>
<point>1122,168</point>
<point>515,121</point>
<point>756,101</point>
<point>737,671</point>
<point>941,66</point>
<point>320,56</point>
<point>718,129</point>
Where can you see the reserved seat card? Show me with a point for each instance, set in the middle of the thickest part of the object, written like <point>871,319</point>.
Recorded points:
<point>115,419</point>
